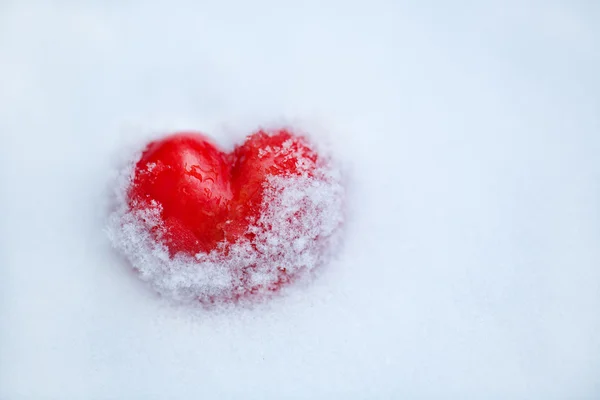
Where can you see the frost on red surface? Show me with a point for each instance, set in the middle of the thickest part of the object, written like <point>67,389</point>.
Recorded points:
<point>201,224</point>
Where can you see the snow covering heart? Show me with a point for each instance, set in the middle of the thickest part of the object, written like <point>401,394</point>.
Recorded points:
<point>202,225</point>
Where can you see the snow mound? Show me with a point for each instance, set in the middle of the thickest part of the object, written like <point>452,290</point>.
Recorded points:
<point>298,231</point>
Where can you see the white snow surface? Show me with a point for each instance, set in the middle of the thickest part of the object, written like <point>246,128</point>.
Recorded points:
<point>470,134</point>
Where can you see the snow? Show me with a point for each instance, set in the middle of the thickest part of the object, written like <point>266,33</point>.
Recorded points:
<point>469,265</point>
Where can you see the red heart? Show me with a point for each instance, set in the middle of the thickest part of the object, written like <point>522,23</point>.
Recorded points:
<point>207,195</point>
<point>202,224</point>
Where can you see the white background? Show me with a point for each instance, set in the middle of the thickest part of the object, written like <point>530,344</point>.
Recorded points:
<point>470,132</point>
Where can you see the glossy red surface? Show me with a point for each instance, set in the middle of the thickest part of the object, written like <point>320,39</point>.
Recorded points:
<point>208,196</point>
